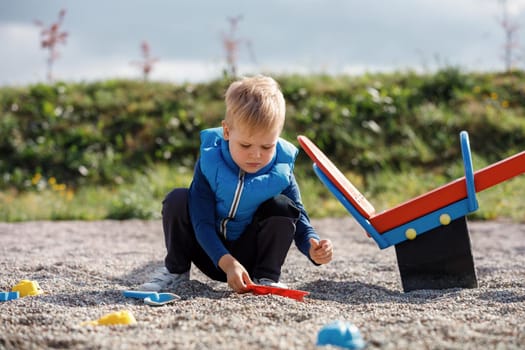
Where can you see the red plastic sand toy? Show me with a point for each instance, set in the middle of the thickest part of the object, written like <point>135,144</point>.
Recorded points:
<point>285,292</point>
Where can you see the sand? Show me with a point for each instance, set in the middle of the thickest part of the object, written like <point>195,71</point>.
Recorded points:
<point>83,267</point>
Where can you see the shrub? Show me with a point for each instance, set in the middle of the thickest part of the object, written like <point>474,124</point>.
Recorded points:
<point>102,132</point>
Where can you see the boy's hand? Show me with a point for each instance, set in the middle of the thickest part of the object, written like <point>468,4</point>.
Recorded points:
<point>236,275</point>
<point>321,251</point>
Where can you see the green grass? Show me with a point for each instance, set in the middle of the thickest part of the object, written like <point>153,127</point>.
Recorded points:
<point>139,199</point>
<point>142,197</point>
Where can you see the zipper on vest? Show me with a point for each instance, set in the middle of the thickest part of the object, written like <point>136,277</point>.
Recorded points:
<point>235,203</point>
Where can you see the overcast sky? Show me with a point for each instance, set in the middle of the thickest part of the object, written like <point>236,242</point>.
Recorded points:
<point>331,36</point>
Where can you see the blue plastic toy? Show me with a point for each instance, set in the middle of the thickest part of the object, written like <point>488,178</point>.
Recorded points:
<point>342,334</point>
<point>5,296</point>
<point>152,298</point>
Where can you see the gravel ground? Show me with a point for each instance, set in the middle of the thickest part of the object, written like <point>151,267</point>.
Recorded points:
<point>83,267</point>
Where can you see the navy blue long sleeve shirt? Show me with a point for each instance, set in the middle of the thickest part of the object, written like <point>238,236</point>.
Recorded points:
<point>202,213</point>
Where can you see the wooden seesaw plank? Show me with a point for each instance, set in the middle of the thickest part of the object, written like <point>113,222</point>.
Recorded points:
<point>418,206</point>
<point>337,177</point>
<point>449,193</point>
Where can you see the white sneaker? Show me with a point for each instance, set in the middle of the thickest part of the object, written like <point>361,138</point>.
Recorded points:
<point>268,282</point>
<point>162,279</point>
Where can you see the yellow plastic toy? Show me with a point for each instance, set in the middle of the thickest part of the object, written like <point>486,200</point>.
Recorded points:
<point>27,288</point>
<point>123,317</point>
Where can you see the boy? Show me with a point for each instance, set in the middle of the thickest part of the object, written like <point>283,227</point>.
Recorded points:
<point>243,209</point>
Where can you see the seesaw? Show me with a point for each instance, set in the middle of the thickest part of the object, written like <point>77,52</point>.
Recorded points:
<point>442,257</point>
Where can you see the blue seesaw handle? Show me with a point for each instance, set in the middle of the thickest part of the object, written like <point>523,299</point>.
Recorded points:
<point>469,172</point>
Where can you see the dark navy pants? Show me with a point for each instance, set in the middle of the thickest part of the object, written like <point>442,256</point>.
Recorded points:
<point>261,249</point>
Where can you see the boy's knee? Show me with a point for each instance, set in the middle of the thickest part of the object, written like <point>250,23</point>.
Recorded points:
<point>279,205</point>
<point>175,199</point>
<point>281,225</point>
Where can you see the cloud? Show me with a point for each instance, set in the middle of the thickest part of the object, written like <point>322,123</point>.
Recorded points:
<point>23,58</point>
<point>515,7</point>
<point>20,53</point>
<point>287,36</point>
<point>165,70</point>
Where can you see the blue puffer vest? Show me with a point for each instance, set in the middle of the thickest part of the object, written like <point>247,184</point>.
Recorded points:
<point>238,194</point>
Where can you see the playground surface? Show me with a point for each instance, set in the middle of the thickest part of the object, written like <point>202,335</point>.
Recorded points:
<point>83,267</point>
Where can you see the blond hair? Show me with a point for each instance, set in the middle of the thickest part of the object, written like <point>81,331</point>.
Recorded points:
<point>256,103</point>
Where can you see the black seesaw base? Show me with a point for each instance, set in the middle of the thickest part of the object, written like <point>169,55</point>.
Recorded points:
<point>438,259</point>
